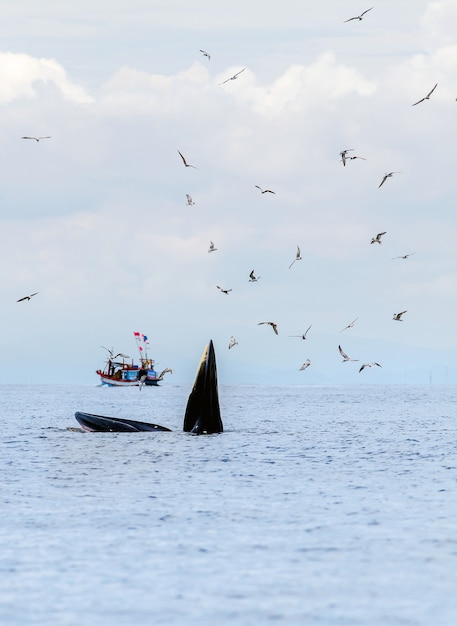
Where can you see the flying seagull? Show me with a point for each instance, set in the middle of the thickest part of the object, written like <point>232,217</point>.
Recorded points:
<point>306,364</point>
<point>343,154</point>
<point>226,291</point>
<point>185,162</point>
<point>397,316</point>
<point>427,97</point>
<point>36,138</point>
<point>114,356</point>
<point>253,278</point>
<point>386,176</point>
<point>351,158</point>
<point>167,370</point>
<point>211,247</point>
<point>377,239</point>
<point>297,257</point>
<point>345,356</point>
<point>205,54</point>
<point>142,380</point>
<point>304,334</point>
<point>358,17</point>
<point>190,202</point>
<point>27,297</point>
<point>272,324</point>
<point>368,365</point>
<point>403,256</point>
<point>233,342</point>
<point>349,325</point>
<point>264,190</point>
<point>232,77</point>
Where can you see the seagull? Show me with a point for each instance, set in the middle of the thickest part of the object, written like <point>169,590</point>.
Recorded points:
<point>185,162</point>
<point>351,158</point>
<point>253,278</point>
<point>233,342</point>
<point>297,257</point>
<point>272,324</point>
<point>306,364</point>
<point>403,256</point>
<point>343,154</point>
<point>397,316</point>
<point>368,365</point>
<point>386,176</point>
<point>167,370</point>
<point>205,54</point>
<point>304,335</point>
<point>349,325</point>
<point>358,17</point>
<point>377,239</point>
<point>190,202</point>
<point>226,291</point>
<point>114,356</point>
<point>345,356</point>
<point>111,352</point>
<point>211,247</point>
<point>27,297</point>
<point>264,190</point>
<point>142,380</point>
<point>232,77</point>
<point>427,97</point>
<point>36,138</point>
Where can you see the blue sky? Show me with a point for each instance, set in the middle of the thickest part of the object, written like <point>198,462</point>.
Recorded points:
<point>95,218</point>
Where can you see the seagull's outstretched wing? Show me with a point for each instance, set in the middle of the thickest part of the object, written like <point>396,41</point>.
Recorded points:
<point>426,97</point>
<point>27,297</point>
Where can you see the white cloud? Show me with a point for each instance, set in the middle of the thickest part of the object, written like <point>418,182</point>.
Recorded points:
<point>440,23</point>
<point>323,83</point>
<point>111,242</point>
<point>20,72</point>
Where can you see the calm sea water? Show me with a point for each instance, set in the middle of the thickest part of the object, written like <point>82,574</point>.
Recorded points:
<point>317,505</point>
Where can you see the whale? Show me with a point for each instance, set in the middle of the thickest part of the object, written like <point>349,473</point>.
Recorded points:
<point>202,414</point>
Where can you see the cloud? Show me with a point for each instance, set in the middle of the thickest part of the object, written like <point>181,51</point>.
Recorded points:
<point>440,23</point>
<point>120,248</point>
<point>321,83</point>
<point>20,73</point>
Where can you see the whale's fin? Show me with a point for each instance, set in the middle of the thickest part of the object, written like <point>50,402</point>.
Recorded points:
<point>203,415</point>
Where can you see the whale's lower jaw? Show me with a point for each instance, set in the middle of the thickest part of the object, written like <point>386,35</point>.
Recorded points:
<point>203,415</point>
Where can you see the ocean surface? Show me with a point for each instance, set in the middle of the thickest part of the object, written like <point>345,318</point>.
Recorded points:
<point>325,505</point>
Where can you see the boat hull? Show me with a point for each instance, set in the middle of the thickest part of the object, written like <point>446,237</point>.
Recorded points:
<point>113,382</point>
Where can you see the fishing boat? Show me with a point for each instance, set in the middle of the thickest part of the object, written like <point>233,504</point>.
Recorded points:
<point>202,415</point>
<point>121,371</point>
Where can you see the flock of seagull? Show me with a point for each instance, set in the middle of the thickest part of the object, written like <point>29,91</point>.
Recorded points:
<point>345,156</point>
<point>253,278</point>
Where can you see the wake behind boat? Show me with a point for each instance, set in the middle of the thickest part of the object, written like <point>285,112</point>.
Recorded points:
<point>121,371</point>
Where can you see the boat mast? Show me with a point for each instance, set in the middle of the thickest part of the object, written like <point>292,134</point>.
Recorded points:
<point>142,345</point>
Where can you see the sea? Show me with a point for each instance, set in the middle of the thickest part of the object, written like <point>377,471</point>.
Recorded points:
<point>317,505</point>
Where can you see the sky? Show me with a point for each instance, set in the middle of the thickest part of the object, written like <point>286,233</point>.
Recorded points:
<point>95,219</point>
